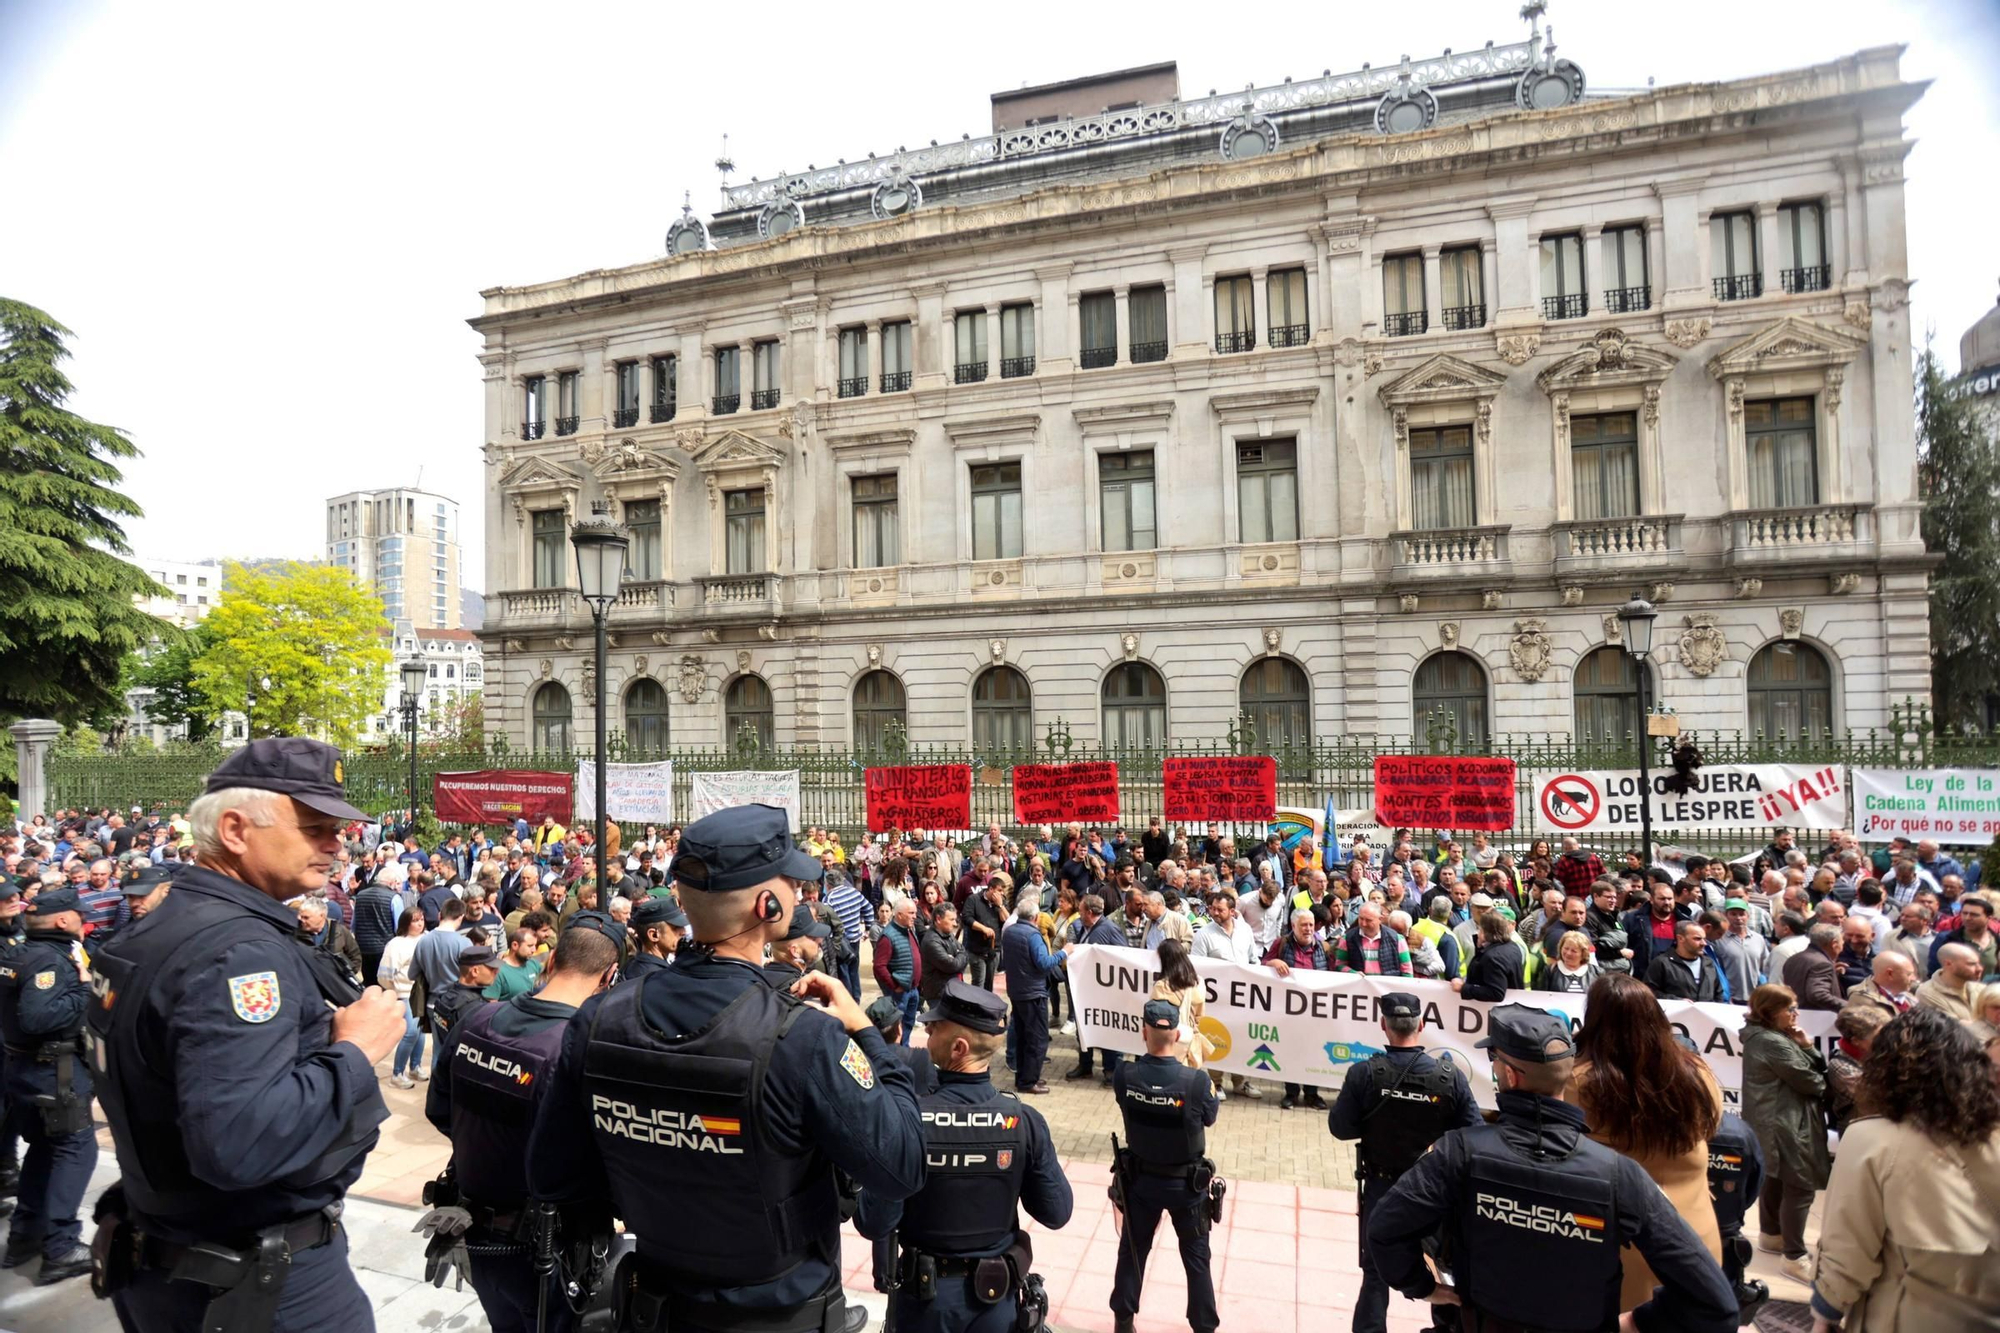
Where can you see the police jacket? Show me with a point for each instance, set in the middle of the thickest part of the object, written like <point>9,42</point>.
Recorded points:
<point>1398,1103</point>
<point>1735,1172</point>
<point>1167,1108</point>
<point>452,1005</point>
<point>1530,1194</point>
<point>754,1128</point>
<point>42,1003</point>
<point>491,1070</point>
<point>985,1153</point>
<point>640,963</point>
<point>230,1108</point>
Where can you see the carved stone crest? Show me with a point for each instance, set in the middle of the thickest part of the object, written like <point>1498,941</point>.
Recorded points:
<point>1857,314</point>
<point>1271,640</point>
<point>1747,588</point>
<point>1530,650</point>
<point>1843,584</point>
<point>1516,348</point>
<point>1791,621</point>
<point>1609,350</point>
<point>1614,629</point>
<point>1688,332</point>
<point>639,663</point>
<point>545,668</point>
<point>1371,363</point>
<point>1129,645</point>
<point>1447,634</point>
<point>1572,594</point>
<point>1659,592</point>
<point>743,659</point>
<point>1702,644</point>
<point>692,677</point>
<point>1407,603</point>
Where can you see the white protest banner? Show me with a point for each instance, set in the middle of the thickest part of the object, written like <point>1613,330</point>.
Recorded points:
<point>709,792</point>
<point>634,793</point>
<point>1311,1027</point>
<point>1956,806</point>
<point>1724,796</point>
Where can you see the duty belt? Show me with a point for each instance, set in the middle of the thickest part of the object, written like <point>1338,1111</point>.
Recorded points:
<point>301,1233</point>
<point>1179,1171</point>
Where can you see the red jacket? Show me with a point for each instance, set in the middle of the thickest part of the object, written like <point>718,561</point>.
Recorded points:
<point>1577,873</point>
<point>885,953</point>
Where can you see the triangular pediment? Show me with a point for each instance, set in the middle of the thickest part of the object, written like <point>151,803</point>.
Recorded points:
<point>1607,359</point>
<point>733,448</point>
<point>529,472</point>
<point>627,459</point>
<point>1789,344</point>
<point>1442,378</point>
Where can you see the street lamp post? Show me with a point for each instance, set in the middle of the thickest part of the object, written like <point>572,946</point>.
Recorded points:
<point>1637,617</point>
<point>414,672</point>
<point>600,568</point>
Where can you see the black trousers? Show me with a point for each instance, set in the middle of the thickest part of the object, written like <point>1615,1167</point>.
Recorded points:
<point>1146,1197</point>
<point>1031,1038</point>
<point>320,1293</point>
<point>506,1286</point>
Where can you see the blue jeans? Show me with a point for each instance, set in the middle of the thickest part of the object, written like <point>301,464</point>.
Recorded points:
<point>850,971</point>
<point>911,1002</point>
<point>410,1050</point>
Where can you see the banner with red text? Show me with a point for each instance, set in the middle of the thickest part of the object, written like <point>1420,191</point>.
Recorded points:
<point>500,796</point>
<point>919,796</point>
<point>1311,1027</point>
<point>1062,793</point>
<point>1221,788</point>
<point>1722,796</point>
<point>1444,791</point>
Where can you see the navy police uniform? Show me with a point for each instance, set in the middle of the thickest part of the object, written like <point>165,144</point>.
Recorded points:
<point>708,1081</point>
<point>1735,1175</point>
<point>238,1123</point>
<point>1530,1197</point>
<point>460,999</point>
<point>1397,1104</point>
<point>965,1260</point>
<point>653,912</point>
<point>42,1003</point>
<point>805,926</point>
<point>887,1016</point>
<point>1167,1108</point>
<point>12,936</point>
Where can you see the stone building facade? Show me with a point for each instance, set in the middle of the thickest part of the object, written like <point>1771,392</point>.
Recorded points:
<point>1351,404</point>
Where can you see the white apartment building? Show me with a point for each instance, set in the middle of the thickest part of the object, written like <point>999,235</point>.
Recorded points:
<point>406,543</point>
<point>193,587</point>
<point>455,665</point>
<point>1353,403</point>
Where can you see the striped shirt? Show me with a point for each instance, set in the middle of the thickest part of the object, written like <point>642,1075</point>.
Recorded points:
<point>851,908</point>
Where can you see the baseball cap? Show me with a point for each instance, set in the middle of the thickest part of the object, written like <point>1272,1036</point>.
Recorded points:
<point>1160,1014</point>
<point>308,771</point>
<point>969,1006</point>
<point>884,1014</point>
<point>1400,1004</point>
<point>806,926</point>
<point>740,847</point>
<point>601,923</point>
<point>1533,1036</point>
<point>1735,905</point>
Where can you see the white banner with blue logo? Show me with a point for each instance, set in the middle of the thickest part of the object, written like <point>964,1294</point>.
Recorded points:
<point>1310,1027</point>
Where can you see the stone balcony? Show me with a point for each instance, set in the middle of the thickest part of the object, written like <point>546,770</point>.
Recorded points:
<point>651,600</point>
<point>1618,545</point>
<point>540,608</point>
<point>1450,555</point>
<point>1812,534</point>
<point>738,596</point>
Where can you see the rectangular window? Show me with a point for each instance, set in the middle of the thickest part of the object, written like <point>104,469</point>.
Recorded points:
<point>876,537</point>
<point>1604,465</point>
<point>1267,491</point>
<point>1732,240</point>
<point>1285,299</point>
<point>853,362</point>
<point>996,511</point>
<point>1802,247</point>
<point>728,380</point>
<point>764,375</point>
<point>1235,315</point>
<point>896,356</point>
<point>666,387</point>
<point>1461,279</point>
<point>743,517</point>
<point>568,394</point>
<point>1097,314</point>
<point>1627,288</point>
<point>969,342</point>
<point>1125,499</point>
<point>1146,307</point>
<point>628,393</point>
<point>1441,478</point>
<point>1784,453</point>
<point>1403,310</point>
<point>1017,341</point>
<point>532,401</point>
<point>1562,277</point>
<point>642,520</point>
<point>549,543</point>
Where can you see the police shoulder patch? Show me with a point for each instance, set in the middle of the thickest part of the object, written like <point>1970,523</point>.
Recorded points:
<point>857,1066</point>
<point>45,980</point>
<point>254,996</point>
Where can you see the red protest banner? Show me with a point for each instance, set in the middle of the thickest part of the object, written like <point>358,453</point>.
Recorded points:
<point>919,796</point>
<point>1059,793</point>
<point>1444,791</point>
<point>500,796</point>
<point>1221,788</point>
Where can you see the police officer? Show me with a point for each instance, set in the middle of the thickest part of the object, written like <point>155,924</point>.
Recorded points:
<point>12,912</point>
<point>491,1071</point>
<point>1398,1104</point>
<point>44,991</point>
<point>660,926</point>
<point>242,1101</point>
<point>709,1081</point>
<point>477,967</point>
<point>798,953</point>
<point>1535,1214</point>
<point>1167,1108</point>
<point>146,888</point>
<point>887,1016</point>
<point>965,1261</point>
<point>1735,1175</point>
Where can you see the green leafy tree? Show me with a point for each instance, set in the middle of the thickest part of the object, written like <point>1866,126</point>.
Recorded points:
<point>67,618</point>
<point>1958,463</point>
<point>168,671</point>
<point>302,649</point>
<point>456,727</point>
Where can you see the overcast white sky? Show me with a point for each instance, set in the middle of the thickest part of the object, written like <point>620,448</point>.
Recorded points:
<point>267,223</point>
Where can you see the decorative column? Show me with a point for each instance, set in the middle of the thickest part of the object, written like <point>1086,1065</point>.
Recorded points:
<point>692,393</point>
<point>1681,280</point>
<point>594,388</point>
<point>1515,281</point>
<point>1260,306</point>
<point>1433,288</point>
<point>1190,288</point>
<point>929,337</point>
<point>1056,331</point>
<point>34,737</point>
<point>1121,337</point>
<point>993,352</point>
<point>875,366</point>
<point>1767,246</point>
<point>1593,269</point>
<point>1656,261</point>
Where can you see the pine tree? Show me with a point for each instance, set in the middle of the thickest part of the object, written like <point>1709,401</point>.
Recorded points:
<point>67,618</point>
<point>1958,471</point>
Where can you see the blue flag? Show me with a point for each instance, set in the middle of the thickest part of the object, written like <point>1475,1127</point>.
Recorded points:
<point>1333,853</point>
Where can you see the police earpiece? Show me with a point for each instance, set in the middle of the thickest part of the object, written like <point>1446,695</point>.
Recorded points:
<point>769,909</point>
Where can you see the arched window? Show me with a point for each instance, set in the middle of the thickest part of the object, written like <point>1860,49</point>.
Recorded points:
<point>1135,707</point>
<point>1791,692</point>
<point>1450,687</point>
<point>748,699</point>
<point>1278,698</point>
<point>646,715</point>
<point>1003,710</point>
<point>551,715</point>
<point>878,701</point>
<point>1606,698</point>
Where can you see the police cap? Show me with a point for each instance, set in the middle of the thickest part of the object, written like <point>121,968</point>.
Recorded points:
<point>477,956</point>
<point>9,889</point>
<point>969,1006</point>
<point>144,880</point>
<point>806,926</point>
<point>739,848</point>
<point>659,911</point>
<point>308,771</point>
<point>1400,1004</point>
<point>885,1015</point>
<point>64,899</point>
<point>1533,1036</point>
<point>1160,1014</point>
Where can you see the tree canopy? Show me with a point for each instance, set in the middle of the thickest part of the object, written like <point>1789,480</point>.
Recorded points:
<point>1958,463</point>
<point>167,672</point>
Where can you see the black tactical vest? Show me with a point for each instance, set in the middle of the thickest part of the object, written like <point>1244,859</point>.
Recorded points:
<point>495,1083</point>
<point>43,951</point>
<point>1523,1216</point>
<point>680,1119</point>
<point>1415,1102</point>
<point>1162,1111</point>
<point>1734,1161</point>
<point>975,1158</point>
